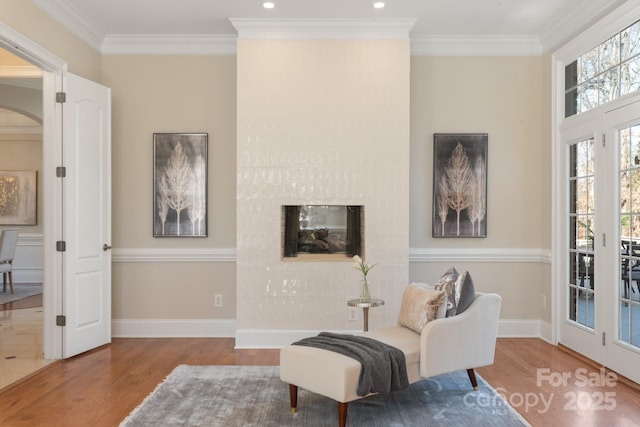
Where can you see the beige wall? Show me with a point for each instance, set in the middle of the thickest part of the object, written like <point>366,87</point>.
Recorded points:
<point>501,96</point>
<point>504,97</point>
<point>171,94</point>
<point>9,59</point>
<point>26,18</point>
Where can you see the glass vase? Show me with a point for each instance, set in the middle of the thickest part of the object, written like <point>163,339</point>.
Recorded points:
<point>364,295</point>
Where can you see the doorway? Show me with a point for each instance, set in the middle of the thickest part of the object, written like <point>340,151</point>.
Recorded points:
<point>21,321</point>
<point>77,199</point>
<point>600,299</point>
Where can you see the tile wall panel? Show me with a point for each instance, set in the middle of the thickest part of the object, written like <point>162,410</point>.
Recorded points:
<point>320,122</point>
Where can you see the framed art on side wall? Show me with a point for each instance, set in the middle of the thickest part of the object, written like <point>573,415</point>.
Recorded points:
<point>460,185</point>
<point>180,184</point>
<point>18,197</point>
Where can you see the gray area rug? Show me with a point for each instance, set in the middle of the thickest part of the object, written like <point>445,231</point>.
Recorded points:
<point>20,291</point>
<point>255,396</point>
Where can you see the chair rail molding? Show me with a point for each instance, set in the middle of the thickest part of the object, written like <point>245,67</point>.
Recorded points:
<point>173,255</point>
<point>416,255</point>
<point>534,255</point>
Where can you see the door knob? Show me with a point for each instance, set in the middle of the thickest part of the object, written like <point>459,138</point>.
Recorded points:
<point>106,247</point>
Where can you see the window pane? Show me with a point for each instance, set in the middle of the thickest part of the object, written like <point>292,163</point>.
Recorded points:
<point>625,226</point>
<point>588,66</point>
<point>588,95</point>
<point>584,158</point>
<point>606,72</point>
<point>609,53</point>
<point>629,41</point>
<point>609,83</point>
<point>571,75</point>
<point>584,229</point>
<point>630,76</point>
<point>571,103</point>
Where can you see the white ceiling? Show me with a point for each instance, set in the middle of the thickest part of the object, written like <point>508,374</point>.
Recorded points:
<point>550,22</point>
<point>477,26</point>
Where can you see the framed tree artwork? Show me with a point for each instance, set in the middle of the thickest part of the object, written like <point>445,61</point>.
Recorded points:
<point>180,184</point>
<point>460,185</point>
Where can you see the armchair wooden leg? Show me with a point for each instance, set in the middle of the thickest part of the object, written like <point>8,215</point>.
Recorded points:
<point>4,282</point>
<point>11,282</point>
<point>293,395</point>
<point>472,378</point>
<point>342,413</point>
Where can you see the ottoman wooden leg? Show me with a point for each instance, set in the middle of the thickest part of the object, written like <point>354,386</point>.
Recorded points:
<point>472,378</point>
<point>342,414</point>
<point>293,395</point>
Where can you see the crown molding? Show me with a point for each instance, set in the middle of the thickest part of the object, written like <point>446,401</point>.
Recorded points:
<point>465,45</point>
<point>572,24</point>
<point>284,29</point>
<point>71,18</point>
<point>174,44</point>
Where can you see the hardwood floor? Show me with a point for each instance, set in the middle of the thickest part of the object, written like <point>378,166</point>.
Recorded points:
<point>101,387</point>
<point>28,302</point>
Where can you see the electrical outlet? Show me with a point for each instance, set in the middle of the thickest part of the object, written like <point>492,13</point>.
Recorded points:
<point>353,314</point>
<point>217,300</point>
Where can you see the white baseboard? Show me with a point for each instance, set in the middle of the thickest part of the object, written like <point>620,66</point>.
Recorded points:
<point>173,328</point>
<point>519,328</point>
<point>274,338</point>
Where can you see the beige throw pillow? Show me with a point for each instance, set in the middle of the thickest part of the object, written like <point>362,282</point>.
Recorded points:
<point>420,305</point>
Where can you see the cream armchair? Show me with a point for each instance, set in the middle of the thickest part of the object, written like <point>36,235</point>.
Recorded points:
<point>462,342</point>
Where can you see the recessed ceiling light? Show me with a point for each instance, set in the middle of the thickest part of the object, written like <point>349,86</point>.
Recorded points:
<point>378,4</point>
<point>268,5</point>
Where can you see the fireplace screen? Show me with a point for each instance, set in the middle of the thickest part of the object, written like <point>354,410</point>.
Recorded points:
<point>322,229</point>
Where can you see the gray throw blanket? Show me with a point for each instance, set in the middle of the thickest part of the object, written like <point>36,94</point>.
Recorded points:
<point>384,368</point>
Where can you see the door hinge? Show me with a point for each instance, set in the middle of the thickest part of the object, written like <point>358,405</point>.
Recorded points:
<point>61,320</point>
<point>61,172</point>
<point>603,338</point>
<point>61,246</point>
<point>604,240</point>
<point>604,139</point>
<point>61,97</point>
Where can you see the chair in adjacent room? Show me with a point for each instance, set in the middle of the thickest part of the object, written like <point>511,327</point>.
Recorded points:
<point>8,242</point>
<point>630,267</point>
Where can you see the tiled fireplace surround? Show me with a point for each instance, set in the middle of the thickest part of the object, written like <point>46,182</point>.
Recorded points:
<point>320,121</point>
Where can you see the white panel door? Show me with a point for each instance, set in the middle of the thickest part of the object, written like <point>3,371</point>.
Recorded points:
<point>87,217</point>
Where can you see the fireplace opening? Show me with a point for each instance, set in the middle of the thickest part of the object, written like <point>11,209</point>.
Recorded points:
<point>322,230</point>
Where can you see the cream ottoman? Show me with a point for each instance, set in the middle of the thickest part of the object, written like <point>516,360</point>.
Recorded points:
<point>336,376</point>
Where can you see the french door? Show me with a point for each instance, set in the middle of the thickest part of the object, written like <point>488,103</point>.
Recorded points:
<point>600,302</point>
